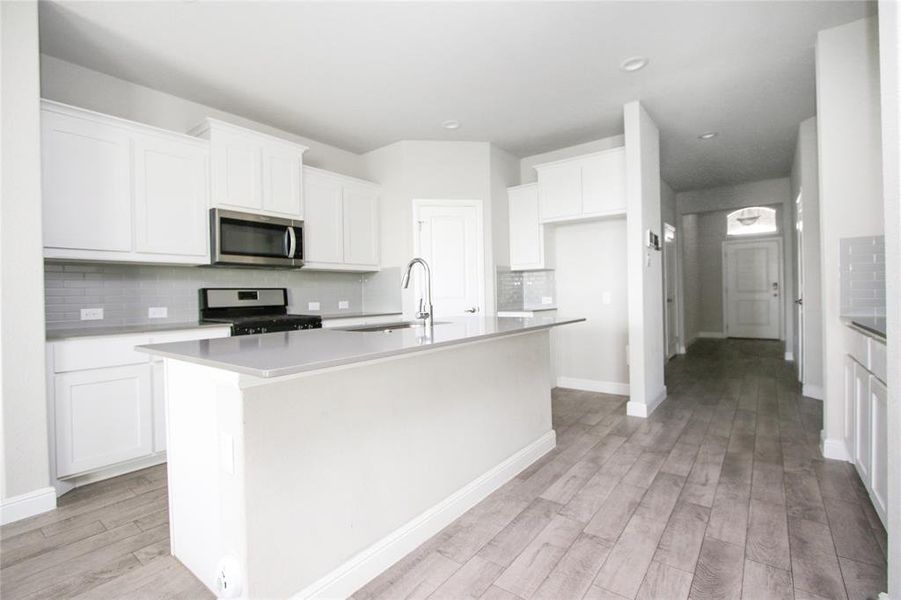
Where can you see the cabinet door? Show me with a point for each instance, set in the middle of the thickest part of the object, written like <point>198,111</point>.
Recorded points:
<point>103,416</point>
<point>526,240</point>
<point>604,182</point>
<point>281,179</point>
<point>170,186</point>
<point>236,167</point>
<point>862,417</point>
<point>86,175</point>
<point>879,436</point>
<point>560,191</point>
<point>849,405</point>
<point>361,221</point>
<point>323,222</point>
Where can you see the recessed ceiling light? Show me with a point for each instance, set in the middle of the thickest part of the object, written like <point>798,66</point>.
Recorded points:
<point>708,136</point>
<point>451,124</point>
<point>634,64</point>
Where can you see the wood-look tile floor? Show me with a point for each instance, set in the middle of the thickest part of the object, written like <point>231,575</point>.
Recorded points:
<point>720,494</point>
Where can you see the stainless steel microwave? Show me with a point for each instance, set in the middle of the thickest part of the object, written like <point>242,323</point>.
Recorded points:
<point>247,239</point>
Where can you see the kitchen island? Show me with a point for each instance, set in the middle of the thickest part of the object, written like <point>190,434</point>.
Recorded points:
<point>302,464</point>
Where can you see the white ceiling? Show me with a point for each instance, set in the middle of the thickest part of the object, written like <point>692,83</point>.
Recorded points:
<point>527,76</point>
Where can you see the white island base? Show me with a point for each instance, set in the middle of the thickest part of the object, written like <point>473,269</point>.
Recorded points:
<point>311,484</point>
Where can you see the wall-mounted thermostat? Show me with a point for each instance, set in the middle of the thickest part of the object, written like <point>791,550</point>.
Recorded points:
<point>652,240</point>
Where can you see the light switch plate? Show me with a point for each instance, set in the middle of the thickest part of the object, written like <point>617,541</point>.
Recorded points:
<point>547,300</point>
<point>312,306</point>
<point>91,314</point>
<point>157,312</point>
<point>343,304</point>
<point>606,298</point>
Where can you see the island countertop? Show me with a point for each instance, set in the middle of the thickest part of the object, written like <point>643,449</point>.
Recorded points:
<point>286,353</point>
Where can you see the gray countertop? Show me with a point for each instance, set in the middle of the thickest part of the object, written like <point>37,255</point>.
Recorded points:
<point>78,332</point>
<point>357,315</point>
<point>285,353</point>
<point>872,326</point>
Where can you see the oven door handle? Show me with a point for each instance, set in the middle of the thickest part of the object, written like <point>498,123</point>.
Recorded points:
<point>292,242</point>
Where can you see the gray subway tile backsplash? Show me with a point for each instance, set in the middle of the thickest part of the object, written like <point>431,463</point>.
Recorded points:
<point>862,266</point>
<point>525,290</point>
<point>125,292</point>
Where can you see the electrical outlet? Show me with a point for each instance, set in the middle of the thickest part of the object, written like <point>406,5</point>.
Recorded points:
<point>312,306</point>
<point>157,312</point>
<point>547,300</point>
<point>91,314</point>
<point>343,304</point>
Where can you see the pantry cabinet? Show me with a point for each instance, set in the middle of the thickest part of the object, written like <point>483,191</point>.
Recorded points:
<point>866,425</point>
<point>252,171</point>
<point>586,187</point>
<point>341,222</point>
<point>119,191</point>
<point>529,249</point>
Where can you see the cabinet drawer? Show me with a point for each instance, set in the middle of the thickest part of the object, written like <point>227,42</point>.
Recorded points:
<point>878,360</point>
<point>96,353</point>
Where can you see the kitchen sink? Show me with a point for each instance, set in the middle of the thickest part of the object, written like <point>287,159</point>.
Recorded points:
<point>388,327</point>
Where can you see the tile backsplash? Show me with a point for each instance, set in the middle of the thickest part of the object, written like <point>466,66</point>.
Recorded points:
<point>863,276</point>
<point>126,292</point>
<point>525,290</point>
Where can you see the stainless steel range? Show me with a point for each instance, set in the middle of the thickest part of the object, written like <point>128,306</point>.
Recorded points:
<point>252,310</point>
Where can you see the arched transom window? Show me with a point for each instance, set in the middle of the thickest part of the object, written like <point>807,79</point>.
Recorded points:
<point>751,220</point>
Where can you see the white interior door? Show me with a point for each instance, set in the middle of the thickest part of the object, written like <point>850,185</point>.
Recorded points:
<point>753,288</point>
<point>448,235</point>
<point>669,280</point>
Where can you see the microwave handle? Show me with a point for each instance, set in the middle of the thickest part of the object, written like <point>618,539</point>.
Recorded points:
<point>292,242</point>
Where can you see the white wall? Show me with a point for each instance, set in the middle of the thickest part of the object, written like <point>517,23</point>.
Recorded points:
<point>645,266</point>
<point>850,184</point>
<point>505,172</point>
<point>432,170</point>
<point>590,261</point>
<point>890,69</point>
<point>711,232</point>
<point>72,84</point>
<point>24,435</point>
<point>688,243</point>
<point>804,179</point>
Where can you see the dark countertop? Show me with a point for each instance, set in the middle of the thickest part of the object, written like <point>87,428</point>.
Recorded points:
<point>53,335</point>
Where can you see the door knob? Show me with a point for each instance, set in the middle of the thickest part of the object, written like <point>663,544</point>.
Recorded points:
<point>799,301</point>
<point>472,309</point>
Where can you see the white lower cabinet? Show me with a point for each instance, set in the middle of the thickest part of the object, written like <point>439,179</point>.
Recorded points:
<point>866,426</point>
<point>107,402</point>
<point>103,416</point>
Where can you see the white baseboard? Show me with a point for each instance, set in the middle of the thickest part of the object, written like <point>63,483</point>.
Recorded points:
<point>790,357</point>
<point>812,391</point>
<point>594,385</point>
<point>359,570</point>
<point>640,409</point>
<point>27,505</point>
<point>717,335</point>
<point>683,349</point>
<point>834,448</point>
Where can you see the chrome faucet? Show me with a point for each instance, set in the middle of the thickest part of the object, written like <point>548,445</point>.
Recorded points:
<point>425,313</point>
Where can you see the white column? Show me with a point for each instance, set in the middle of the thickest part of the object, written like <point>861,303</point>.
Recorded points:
<point>645,266</point>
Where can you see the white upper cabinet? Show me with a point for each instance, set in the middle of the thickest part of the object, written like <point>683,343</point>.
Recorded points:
<point>115,190</point>
<point>361,220</point>
<point>170,197</point>
<point>324,223</point>
<point>340,222</point>
<point>252,171</point>
<point>527,234</point>
<point>583,188</point>
<point>86,182</point>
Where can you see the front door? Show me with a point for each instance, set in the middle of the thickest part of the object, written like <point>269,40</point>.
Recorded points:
<point>448,235</point>
<point>753,290</point>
